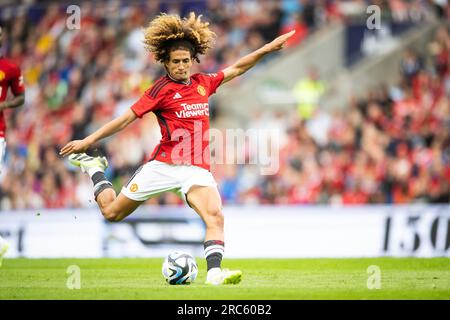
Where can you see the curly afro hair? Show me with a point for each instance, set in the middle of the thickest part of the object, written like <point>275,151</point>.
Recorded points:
<point>166,33</point>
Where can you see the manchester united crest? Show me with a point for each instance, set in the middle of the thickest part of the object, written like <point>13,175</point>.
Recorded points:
<point>2,75</point>
<point>201,90</point>
<point>134,187</point>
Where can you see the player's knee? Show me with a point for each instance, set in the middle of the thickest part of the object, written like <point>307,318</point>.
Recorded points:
<point>112,215</point>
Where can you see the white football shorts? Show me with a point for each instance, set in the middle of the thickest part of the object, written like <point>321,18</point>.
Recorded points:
<point>156,177</point>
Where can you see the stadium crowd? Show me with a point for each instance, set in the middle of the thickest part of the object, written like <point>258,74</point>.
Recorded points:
<point>393,147</point>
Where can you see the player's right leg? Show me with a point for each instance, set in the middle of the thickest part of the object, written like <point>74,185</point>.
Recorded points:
<point>3,248</point>
<point>113,207</point>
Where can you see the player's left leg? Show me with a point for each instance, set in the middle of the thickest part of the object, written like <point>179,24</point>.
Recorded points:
<point>205,200</point>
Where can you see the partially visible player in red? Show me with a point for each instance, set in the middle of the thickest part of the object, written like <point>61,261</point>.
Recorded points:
<point>10,77</point>
<point>180,163</point>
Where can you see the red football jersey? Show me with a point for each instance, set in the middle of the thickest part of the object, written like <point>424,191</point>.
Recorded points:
<point>183,116</point>
<point>10,76</point>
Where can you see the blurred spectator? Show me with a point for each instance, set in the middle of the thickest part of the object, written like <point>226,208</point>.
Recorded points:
<point>308,92</point>
<point>410,65</point>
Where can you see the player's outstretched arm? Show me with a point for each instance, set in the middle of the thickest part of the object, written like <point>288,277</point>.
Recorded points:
<point>77,146</point>
<point>248,61</point>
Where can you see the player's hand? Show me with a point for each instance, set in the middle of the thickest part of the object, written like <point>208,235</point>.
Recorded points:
<point>75,146</point>
<point>279,42</point>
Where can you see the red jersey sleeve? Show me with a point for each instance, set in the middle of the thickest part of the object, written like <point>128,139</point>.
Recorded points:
<point>145,104</point>
<point>214,79</point>
<point>16,82</point>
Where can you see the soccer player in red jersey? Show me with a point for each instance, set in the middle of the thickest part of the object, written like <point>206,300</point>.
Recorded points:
<point>180,163</point>
<point>10,77</point>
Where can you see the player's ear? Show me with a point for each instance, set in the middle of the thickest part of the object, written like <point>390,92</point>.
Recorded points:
<point>166,59</point>
<point>166,63</point>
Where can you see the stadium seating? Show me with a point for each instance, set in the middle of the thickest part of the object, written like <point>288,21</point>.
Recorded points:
<point>392,147</point>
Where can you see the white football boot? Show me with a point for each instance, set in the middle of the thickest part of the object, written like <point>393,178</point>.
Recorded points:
<point>3,248</point>
<point>217,276</point>
<point>87,163</point>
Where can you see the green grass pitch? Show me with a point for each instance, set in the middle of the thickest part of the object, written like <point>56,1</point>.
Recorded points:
<point>401,278</point>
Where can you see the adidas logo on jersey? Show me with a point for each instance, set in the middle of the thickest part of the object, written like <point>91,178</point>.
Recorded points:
<point>177,96</point>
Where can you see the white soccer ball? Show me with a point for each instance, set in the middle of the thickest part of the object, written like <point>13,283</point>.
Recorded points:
<point>179,268</point>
